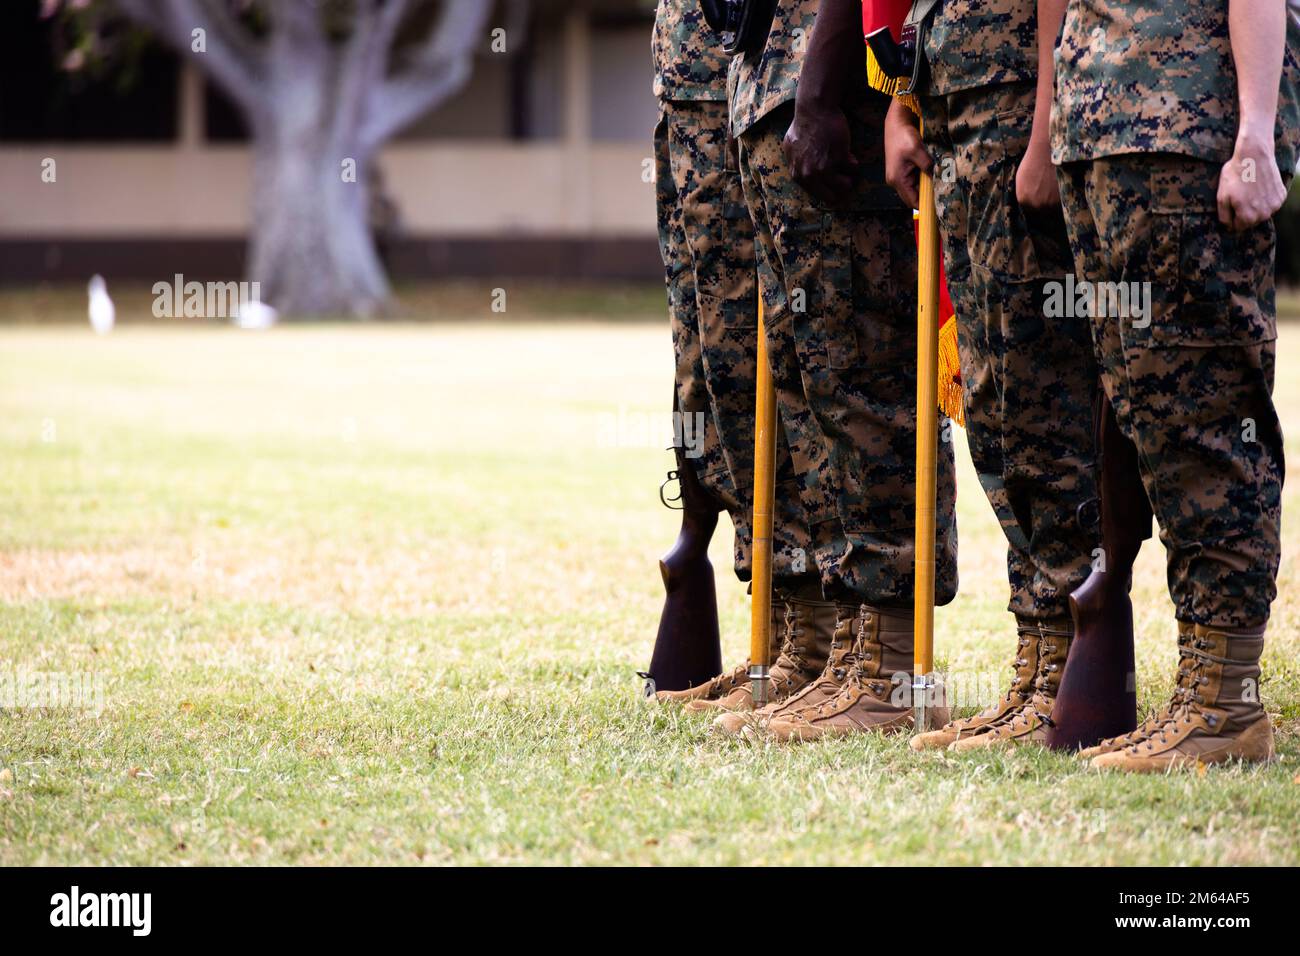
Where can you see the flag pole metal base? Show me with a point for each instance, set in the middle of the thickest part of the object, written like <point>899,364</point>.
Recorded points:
<point>758,683</point>
<point>923,697</point>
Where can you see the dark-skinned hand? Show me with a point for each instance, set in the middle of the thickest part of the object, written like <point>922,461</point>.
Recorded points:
<point>818,149</point>
<point>905,154</point>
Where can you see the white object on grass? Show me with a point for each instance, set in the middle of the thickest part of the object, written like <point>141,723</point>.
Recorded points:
<point>254,315</point>
<point>102,313</point>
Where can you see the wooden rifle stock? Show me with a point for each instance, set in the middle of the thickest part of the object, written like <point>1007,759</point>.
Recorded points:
<point>688,649</point>
<point>1098,693</point>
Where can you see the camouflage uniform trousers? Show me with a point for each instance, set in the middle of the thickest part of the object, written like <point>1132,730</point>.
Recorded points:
<point>707,242</point>
<point>1029,381</point>
<point>839,286</point>
<point>1191,381</point>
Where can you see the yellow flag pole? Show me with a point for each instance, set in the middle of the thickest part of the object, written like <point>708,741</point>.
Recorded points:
<point>760,628</point>
<point>927,452</point>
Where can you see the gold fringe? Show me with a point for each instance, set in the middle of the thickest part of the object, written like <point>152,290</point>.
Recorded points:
<point>950,398</point>
<point>889,85</point>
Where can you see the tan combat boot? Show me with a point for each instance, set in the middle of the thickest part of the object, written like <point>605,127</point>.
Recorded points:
<point>1217,716</point>
<point>1186,635</point>
<point>1022,688</point>
<point>809,630</point>
<point>834,643</point>
<point>728,681</point>
<point>879,661</point>
<point>1030,722</point>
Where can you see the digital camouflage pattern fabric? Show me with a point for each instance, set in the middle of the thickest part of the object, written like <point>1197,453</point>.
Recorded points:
<point>761,82</point>
<point>1191,380</point>
<point>1154,76</point>
<point>839,286</point>
<point>688,60</point>
<point>981,43</point>
<point>707,243</point>
<point>1030,380</point>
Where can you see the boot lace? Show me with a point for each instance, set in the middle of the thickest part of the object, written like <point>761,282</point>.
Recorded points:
<point>1187,701</point>
<point>853,670</point>
<point>1039,705</point>
<point>729,681</point>
<point>1015,690</point>
<point>858,657</point>
<point>1014,694</point>
<point>834,663</point>
<point>791,650</point>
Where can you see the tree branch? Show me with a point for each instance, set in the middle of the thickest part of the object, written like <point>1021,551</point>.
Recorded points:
<point>297,25</point>
<point>438,69</point>
<point>234,59</point>
<point>365,58</point>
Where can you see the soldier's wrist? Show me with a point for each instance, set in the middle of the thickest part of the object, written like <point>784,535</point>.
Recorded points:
<point>1255,132</point>
<point>814,102</point>
<point>1039,147</point>
<point>900,114</point>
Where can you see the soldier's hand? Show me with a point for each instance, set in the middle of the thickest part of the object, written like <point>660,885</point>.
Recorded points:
<point>905,154</point>
<point>1036,184</point>
<point>1250,186</point>
<point>819,149</point>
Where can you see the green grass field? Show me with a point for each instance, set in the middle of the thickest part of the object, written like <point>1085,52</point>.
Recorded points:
<point>376,594</point>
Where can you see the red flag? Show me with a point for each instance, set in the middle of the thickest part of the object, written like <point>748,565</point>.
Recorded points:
<point>889,15</point>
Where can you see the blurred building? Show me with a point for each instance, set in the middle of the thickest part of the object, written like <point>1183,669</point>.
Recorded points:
<point>536,168</point>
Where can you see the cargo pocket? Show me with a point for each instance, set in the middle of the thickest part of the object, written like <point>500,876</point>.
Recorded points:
<point>818,257</point>
<point>883,301</point>
<point>1205,286</point>
<point>730,354</point>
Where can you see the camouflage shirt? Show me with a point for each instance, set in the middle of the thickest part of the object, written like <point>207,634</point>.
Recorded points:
<point>974,43</point>
<point>1157,76</point>
<point>762,82</point>
<point>688,57</point>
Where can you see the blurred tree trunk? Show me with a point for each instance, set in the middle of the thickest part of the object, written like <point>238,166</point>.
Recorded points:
<point>321,98</point>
